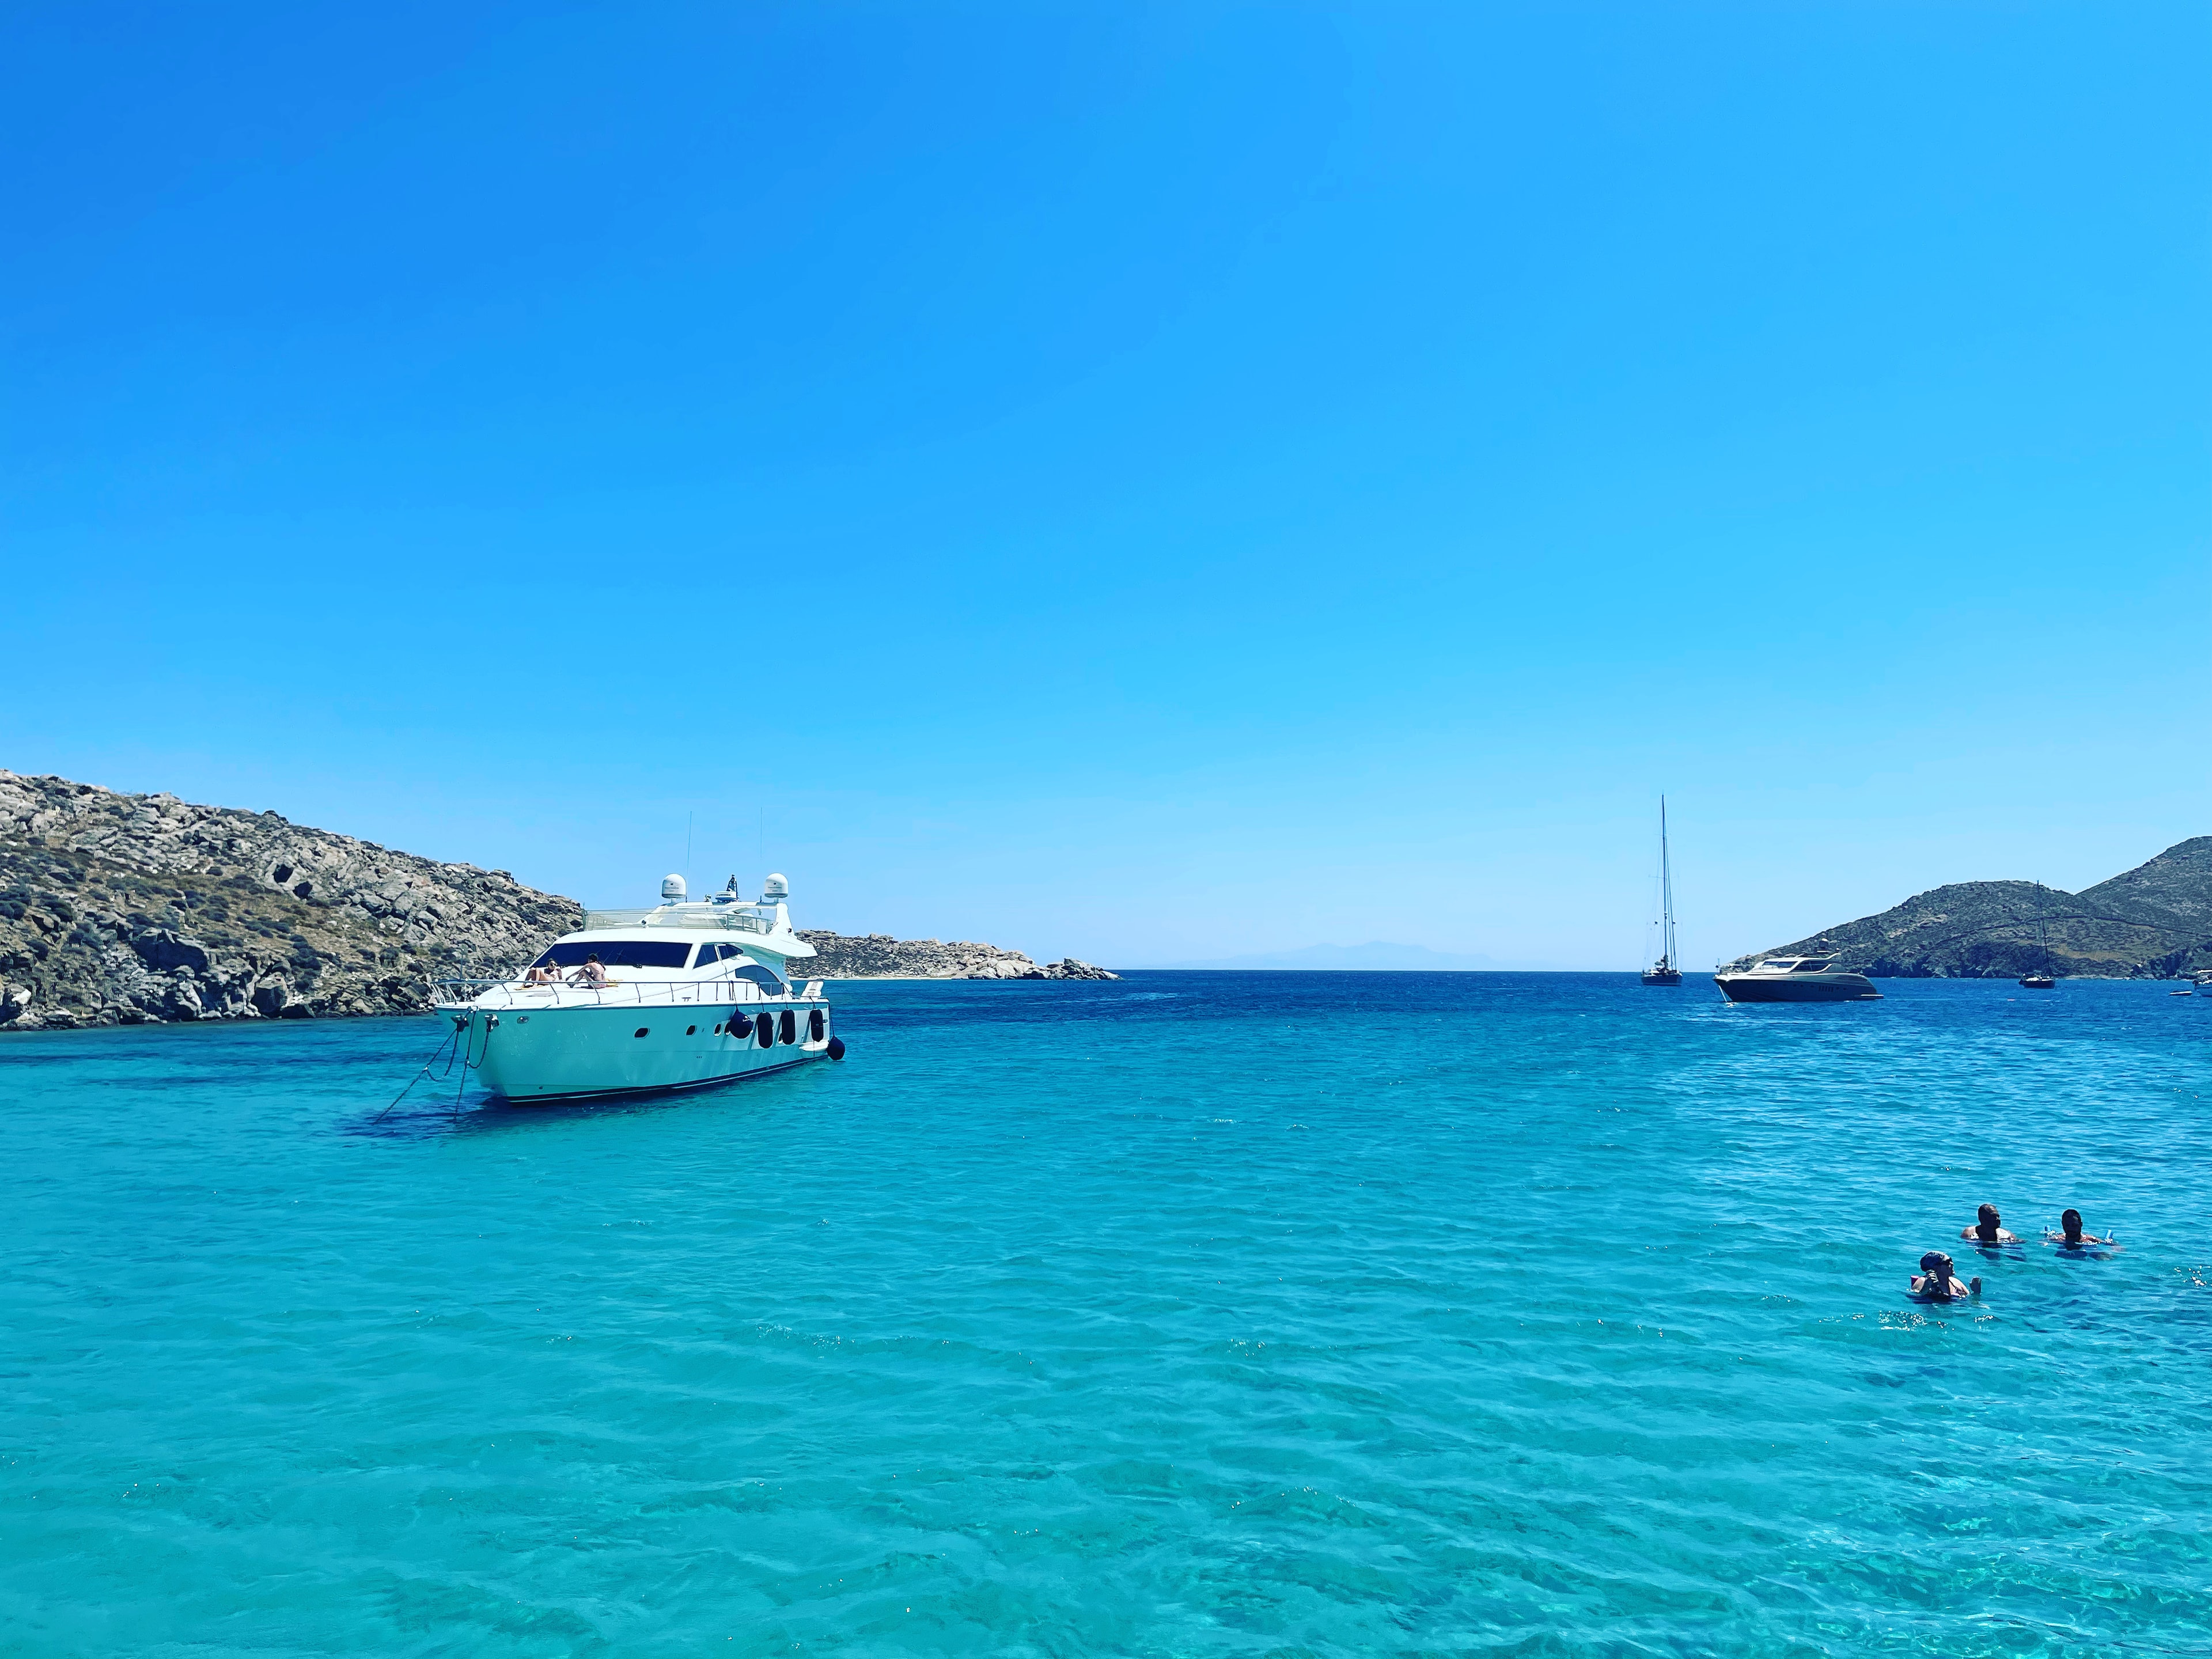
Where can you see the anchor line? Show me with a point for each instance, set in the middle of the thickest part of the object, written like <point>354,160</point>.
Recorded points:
<point>468,1047</point>
<point>420,1075</point>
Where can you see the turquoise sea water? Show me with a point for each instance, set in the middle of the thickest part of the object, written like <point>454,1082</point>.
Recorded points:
<point>1192,1314</point>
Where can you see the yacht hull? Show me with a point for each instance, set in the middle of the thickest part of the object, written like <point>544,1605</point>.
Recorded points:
<point>1797,988</point>
<point>550,1054</point>
<point>1662,976</point>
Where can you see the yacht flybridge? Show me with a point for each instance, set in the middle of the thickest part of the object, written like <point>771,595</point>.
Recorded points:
<point>679,996</point>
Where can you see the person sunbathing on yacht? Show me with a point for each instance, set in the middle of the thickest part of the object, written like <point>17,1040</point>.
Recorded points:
<point>592,976</point>
<point>541,973</point>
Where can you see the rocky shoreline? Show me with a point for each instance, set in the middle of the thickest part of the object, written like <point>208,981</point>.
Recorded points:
<point>121,910</point>
<point>2153,921</point>
<point>133,910</point>
<point>878,956</point>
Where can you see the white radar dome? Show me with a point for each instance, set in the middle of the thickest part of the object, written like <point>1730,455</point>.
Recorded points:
<point>775,887</point>
<point>672,889</point>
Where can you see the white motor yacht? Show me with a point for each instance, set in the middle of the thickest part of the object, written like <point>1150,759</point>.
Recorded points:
<point>679,996</point>
<point>1796,979</point>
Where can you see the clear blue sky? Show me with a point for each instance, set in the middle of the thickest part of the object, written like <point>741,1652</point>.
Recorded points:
<point>1151,482</point>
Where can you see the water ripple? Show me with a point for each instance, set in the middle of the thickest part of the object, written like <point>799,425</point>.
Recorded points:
<point>1222,1314</point>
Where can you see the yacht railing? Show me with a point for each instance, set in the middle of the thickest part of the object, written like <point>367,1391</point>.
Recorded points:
<point>616,993</point>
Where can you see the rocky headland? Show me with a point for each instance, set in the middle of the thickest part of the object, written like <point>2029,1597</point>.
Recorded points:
<point>131,909</point>
<point>878,956</point>
<point>124,910</point>
<point>2153,921</point>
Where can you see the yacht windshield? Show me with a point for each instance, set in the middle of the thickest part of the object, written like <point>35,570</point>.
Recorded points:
<point>618,953</point>
<point>761,976</point>
<point>1810,967</point>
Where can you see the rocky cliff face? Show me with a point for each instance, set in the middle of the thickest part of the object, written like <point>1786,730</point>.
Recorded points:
<point>128,909</point>
<point>2152,922</point>
<point>878,956</point>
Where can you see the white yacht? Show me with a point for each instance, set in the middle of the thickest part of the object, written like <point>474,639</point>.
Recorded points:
<point>677,997</point>
<point>1795,979</point>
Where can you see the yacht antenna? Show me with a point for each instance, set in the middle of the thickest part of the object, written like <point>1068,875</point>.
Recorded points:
<point>1666,888</point>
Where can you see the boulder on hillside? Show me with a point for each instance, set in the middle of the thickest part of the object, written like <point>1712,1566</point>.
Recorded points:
<point>119,909</point>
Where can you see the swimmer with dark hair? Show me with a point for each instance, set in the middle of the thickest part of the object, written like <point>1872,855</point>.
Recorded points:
<point>2072,1239</point>
<point>1937,1282</point>
<point>1986,1230</point>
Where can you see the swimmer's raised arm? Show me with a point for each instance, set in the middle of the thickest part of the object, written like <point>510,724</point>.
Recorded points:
<point>1938,1281</point>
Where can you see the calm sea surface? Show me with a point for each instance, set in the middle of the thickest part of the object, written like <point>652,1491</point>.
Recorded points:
<point>1192,1314</point>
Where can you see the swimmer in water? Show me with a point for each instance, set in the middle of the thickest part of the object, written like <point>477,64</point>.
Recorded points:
<point>1938,1282</point>
<point>1986,1230</point>
<point>2072,1239</point>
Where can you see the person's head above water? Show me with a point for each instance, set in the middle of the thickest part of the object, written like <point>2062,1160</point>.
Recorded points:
<point>1933,1259</point>
<point>2071,1221</point>
<point>1986,1220</point>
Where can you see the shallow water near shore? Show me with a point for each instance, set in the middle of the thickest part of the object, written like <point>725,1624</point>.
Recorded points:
<point>1188,1314</point>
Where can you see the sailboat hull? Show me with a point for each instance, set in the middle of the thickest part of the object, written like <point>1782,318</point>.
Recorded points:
<point>1662,976</point>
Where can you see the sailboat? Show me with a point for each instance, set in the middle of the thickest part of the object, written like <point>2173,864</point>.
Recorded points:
<point>2040,979</point>
<point>1663,971</point>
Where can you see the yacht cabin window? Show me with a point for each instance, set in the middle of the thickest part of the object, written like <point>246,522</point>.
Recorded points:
<point>617,953</point>
<point>770,984</point>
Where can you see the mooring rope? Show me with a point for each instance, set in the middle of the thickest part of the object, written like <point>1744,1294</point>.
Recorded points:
<point>461,1088</point>
<point>420,1075</point>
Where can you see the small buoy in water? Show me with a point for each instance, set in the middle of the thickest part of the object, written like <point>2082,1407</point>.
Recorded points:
<point>836,1047</point>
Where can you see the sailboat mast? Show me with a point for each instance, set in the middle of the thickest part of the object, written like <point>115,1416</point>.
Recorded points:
<point>1666,887</point>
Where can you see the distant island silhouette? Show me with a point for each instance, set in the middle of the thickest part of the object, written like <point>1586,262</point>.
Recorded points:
<point>1374,957</point>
